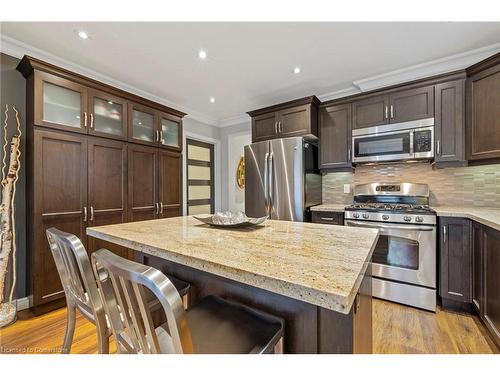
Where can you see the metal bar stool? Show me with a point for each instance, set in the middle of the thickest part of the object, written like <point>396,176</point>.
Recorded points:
<point>214,325</point>
<point>80,288</point>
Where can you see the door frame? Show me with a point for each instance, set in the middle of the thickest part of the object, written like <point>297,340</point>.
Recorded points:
<point>217,168</point>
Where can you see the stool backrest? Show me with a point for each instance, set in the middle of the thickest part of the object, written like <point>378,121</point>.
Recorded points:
<point>122,283</point>
<point>75,272</point>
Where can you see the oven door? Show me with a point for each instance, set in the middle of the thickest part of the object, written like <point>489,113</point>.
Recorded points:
<point>404,252</point>
<point>383,146</point>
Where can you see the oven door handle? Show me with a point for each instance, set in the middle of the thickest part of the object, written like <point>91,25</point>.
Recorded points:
<point>421,228</point>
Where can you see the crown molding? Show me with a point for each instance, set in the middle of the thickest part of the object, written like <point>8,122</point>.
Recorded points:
<point>427,69</point>
<point>18,49</point>
<point>235,120</point>
<point>339,94</point>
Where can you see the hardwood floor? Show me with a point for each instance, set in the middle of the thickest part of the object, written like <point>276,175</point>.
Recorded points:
<point>397,329</point>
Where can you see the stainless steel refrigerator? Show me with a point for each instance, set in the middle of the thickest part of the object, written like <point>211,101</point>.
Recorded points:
<point>282,179</point>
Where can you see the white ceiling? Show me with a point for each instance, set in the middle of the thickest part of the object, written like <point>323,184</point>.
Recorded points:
<point>249,65</point>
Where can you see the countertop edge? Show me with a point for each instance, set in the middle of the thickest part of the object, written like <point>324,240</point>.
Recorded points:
<point>338,303</point>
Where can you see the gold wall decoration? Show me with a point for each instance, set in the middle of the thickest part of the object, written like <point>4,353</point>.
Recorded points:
<point>240,173</point>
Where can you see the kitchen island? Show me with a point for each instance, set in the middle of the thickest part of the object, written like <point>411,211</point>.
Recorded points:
<point>315,276</point>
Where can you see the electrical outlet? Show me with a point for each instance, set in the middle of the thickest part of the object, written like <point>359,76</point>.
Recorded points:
<point>347,188</point>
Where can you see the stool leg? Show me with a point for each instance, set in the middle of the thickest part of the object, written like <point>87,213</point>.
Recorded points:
<point>278,348</point>
<point>185,301</point>
<point>70,328</point>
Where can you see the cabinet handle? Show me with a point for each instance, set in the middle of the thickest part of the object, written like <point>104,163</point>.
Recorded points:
<point>91,121</point>
<point>85,213</point>
<point>85,119</point>
<point>438,148</point>
<point>161,136</point>
<point>161,207</point>
<point>444,234</point>
<point>348,154</point>
<point>91,213</point>
<point>280,127</point>
<point>392,111</point>
<point>157,208</point>
<point>326,218</point>
<point>386,112</point>
<point>275,127</point>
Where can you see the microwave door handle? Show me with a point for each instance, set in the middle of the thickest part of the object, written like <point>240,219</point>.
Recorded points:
<point>421,228</point>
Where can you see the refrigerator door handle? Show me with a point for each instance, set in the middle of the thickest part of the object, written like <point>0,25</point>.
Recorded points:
<point>266,182</point>
<point>270,183</point>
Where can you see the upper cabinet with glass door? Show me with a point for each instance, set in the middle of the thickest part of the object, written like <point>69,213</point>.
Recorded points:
<point>170,131</point>
<point>142,125</point>
<point>60,103</point>
<point>108,115</point>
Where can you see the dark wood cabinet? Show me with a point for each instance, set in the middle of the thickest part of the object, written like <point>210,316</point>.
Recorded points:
<point>469,264</point>
<point>169,183</point>
<point>297,121</point>
<point>449,122</point>
<point>107,189</point>
<point>477,266</point>
<point>107,115</point>
<point>373,111</point>
<point>491,282</point>
<point>455,259</point>
<point>82,169</point>
<point>291,119</point>
<point>142,182</point>
<point>412,104</point>
<point>328,217</point>
<point>483,110</point>
<point>57,191</point>
<point>335,137</point>
<point>59,103</point>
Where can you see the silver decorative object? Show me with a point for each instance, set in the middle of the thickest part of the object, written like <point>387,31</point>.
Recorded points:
<point>231,219</point>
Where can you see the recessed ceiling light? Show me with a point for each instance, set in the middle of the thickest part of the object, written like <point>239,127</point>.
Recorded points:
<point>110,102</point>
<point>296,70</point>
<point>82,34</point>
<point>212,99</point>
<point>202,54</point>
<point>140,123</point>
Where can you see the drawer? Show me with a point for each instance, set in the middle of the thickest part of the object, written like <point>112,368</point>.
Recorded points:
<point>325,217</point>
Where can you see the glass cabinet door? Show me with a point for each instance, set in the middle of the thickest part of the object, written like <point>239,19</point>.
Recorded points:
<point>107,115</point>
<point>170,131</point>
<point>60,104</point>
<point>142,124</point>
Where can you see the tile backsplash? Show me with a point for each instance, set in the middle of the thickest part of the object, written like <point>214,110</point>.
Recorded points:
<point>465,186</point>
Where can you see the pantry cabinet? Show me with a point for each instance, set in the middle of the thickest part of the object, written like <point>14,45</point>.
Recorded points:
<point>95,155</point>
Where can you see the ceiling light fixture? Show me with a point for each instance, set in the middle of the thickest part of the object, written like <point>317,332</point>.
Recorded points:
<point>212,99</point>
<point>82,34</point>
<point>296,70</point>
<point>202,54</point>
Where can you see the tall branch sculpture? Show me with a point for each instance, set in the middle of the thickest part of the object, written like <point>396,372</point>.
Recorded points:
<point>7,215</point>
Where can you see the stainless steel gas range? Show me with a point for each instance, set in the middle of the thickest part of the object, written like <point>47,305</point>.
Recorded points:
<point>404,260</point>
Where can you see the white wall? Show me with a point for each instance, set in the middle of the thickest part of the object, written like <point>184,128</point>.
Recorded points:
<point>235,136</point>
<point>235,150</point>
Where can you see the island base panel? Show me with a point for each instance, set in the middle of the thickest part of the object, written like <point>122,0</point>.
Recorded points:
<point>309,329</point>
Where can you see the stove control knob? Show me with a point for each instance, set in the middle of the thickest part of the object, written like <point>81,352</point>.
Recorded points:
<point>385,217</point>
<point>419,219</point>
<point>366,216</point>
<point>355,215</point>
<point>407,218</point>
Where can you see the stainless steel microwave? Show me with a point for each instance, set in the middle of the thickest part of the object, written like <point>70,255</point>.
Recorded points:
<point>402,141</point>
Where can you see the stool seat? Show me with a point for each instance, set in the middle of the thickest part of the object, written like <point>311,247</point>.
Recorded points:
<point>219,326</point>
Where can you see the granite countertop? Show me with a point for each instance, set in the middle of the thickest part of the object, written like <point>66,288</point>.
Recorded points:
<point>329,207</point>
<point>486,216</point>
<point>316,263</point>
